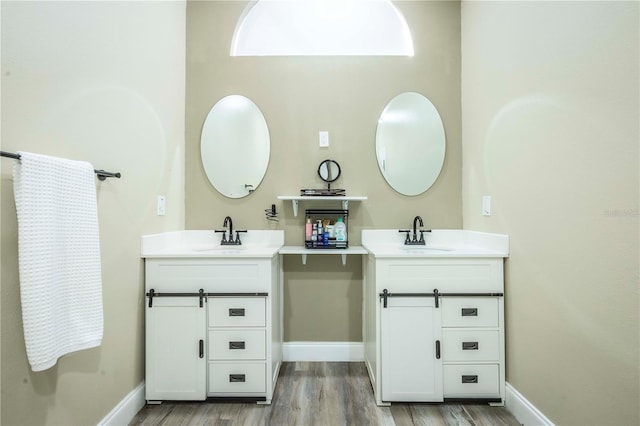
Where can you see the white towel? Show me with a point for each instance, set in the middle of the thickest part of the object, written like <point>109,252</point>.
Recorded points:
<point>59,257</point>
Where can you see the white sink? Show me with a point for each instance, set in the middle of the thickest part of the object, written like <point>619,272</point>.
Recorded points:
<point>439,243</point>
<point>219,247</point>
<point>422,249</point>
<point>206,243</point>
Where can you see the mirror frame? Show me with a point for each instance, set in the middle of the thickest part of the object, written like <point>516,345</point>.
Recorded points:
<point>328,166</point>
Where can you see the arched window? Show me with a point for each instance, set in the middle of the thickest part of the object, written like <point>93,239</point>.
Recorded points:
<point>322,27</point>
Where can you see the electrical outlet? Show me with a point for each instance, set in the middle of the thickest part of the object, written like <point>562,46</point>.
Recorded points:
<point>324,139</point>
<point>486,205</point>
<point>162,205</point>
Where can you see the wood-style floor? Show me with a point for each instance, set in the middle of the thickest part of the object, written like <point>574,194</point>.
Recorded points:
<point>322,394</point>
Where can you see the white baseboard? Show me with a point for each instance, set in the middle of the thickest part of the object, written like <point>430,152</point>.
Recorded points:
<point>323,351</point>
<point>126,409</point>
<point>516,403</point>
<point>523,410</point>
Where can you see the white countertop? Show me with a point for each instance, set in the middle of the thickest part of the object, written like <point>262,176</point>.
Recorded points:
<point>380,243</point>
<point>206,244</point>
<point>439,243</point>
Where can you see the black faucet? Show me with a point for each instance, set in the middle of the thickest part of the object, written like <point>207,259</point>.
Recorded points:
<point>415,233</point>
<point>415,241</point>
<point>228,223</point>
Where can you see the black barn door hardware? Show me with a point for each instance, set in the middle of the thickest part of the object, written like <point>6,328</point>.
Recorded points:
<point>201,295</point>
<point>386,294</point>
<point>152,293</point>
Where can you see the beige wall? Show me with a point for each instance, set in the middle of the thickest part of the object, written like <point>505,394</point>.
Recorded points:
<point>102,82</point>
<point>550,132</point>
<point>550,125</point>
<point>300,96</point>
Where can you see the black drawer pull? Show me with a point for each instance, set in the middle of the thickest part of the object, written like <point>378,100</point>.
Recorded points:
<point>469,312</point>
<point>236,312</point>
<point>236,378</point>
<point>470,379</point>
<point>236,345</point>
<point>437,349</point>
<point>469,346</point>
<point>201,348</point>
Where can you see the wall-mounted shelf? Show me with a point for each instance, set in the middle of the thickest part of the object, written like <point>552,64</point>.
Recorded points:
<point>295,199</point>
<point>305,251</point>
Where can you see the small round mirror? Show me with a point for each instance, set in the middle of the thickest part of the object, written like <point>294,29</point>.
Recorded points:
<point>329,171</point>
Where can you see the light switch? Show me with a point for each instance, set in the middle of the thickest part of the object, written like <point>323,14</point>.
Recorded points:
<point>324,139</point>
<point>162,205</point>
<point>486,205</point>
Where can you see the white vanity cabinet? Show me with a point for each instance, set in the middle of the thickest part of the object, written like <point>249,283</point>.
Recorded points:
<point>213,324</point>
<point>411,366</point>
<point>237,346</point>
<point>175,363</point>
<point>473,346</point>
<point>433,323</point>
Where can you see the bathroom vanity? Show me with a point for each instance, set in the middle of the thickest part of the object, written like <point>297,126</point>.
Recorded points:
<point>433,316</point>
<point>213,315</point>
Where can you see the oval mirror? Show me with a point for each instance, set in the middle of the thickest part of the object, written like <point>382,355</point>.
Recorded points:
<point>410,143</point>
<point>329,171</point>
<point>235,146</point>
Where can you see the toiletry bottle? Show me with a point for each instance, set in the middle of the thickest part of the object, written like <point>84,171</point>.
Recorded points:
<point>308,230</point>
<point>340,230</point>
<point>314,236</point>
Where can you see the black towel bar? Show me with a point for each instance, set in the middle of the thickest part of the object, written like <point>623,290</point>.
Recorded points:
<point>102,174</point>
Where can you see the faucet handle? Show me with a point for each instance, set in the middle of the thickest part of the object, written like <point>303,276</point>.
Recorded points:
<point>224,234</point>
<point>407,232</point>
<point>422,231</point>
<point>238,231</point>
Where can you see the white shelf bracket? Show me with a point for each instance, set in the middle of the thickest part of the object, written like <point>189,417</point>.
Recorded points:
<point>304,258</point>
<point>295,207</point>
<point>345,206</point>
<point>344,257</point>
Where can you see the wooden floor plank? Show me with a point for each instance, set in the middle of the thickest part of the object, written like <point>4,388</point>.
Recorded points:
<point>321,394</point>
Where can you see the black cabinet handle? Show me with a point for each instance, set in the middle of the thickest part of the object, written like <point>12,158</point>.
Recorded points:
<point>470,379</point>
<point>201,347</point>
<point>236,378</point>
<point>151,294</point>
<point>236,345</point>
<point>236,312</point>
<point>201,295</point>
<point>437,349</point>
<point>469,346</point>
<point>469,312</point>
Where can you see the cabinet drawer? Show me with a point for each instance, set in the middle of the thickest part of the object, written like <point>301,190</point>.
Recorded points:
<point>237,312</point>
<point>470,345</point>
<point>470,312</point>
<point>237,378</point>
<point>237,344</point>
<point>471,381</point>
